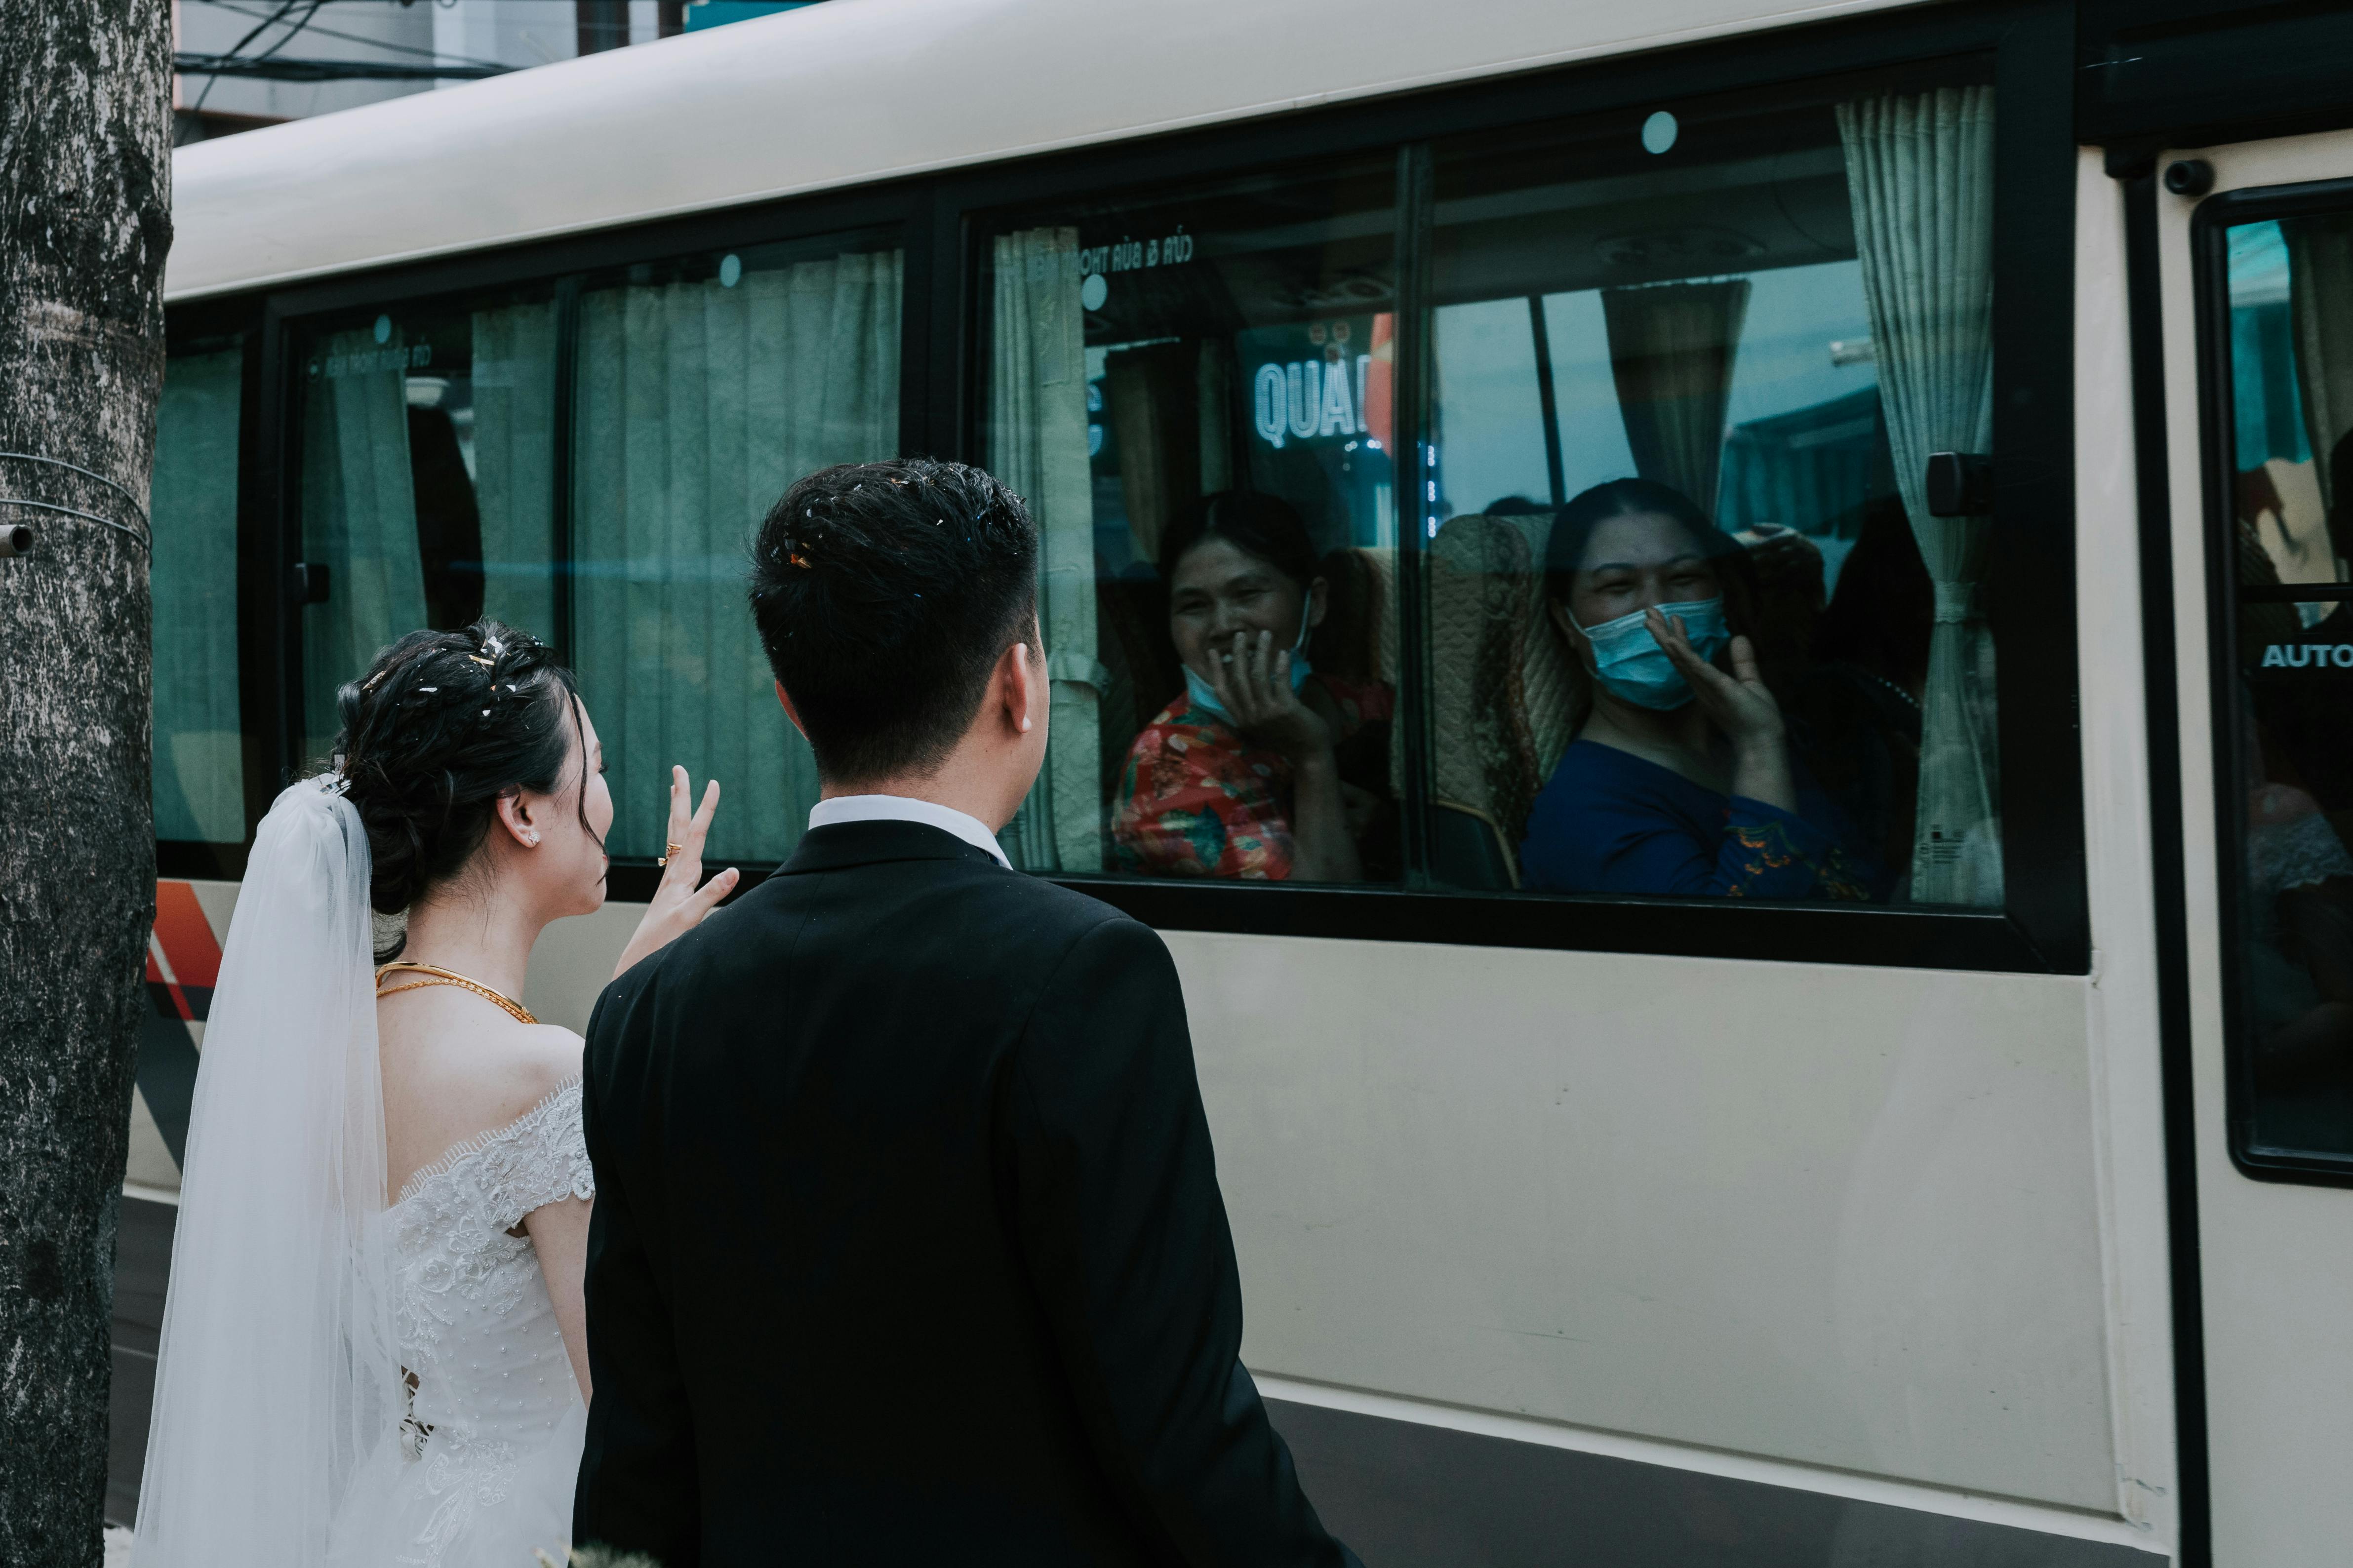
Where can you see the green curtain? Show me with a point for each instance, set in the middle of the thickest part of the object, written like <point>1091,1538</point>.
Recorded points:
<point>200,773</point>
<point>1920,175</point>
<point>1038,447</point>
<point>1672,347</point>
<point>359,517</point>
<point>514,470</point>
<point>698,403</point>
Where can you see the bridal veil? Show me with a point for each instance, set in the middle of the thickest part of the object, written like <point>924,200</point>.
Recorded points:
<point>278,1374</point>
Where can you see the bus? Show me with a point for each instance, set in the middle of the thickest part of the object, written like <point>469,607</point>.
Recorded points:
<point>1938,1156</point>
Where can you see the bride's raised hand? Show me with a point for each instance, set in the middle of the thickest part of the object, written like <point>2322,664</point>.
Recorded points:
<point>679,905</point>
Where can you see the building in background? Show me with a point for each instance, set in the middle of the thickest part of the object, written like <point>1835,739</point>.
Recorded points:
<point>244,63</point>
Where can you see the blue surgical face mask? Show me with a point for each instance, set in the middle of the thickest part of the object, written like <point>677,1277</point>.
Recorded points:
<point>1628,660</point>
<point>1205,695</point>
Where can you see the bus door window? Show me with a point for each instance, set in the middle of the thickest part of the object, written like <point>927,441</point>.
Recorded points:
<point>1194,392</point>
<point>2290,299</point>
<point>1696,360</point>
<point>199,774</point>
<point>428,473</point>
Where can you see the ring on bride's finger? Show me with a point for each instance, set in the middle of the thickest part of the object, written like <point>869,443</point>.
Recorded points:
<point>668,850</point>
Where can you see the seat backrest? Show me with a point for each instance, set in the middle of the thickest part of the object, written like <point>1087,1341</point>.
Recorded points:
<point>1557,691</point>
<point>1484,755</point>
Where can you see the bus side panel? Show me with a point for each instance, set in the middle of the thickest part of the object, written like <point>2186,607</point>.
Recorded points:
<point>1845,1217</point>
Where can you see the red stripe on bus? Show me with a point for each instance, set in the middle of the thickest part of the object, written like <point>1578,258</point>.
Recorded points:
<point>186,936</point>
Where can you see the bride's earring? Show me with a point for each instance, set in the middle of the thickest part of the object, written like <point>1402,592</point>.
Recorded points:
<point>531,836</point>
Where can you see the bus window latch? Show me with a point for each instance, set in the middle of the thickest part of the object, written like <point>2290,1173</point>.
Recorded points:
<point>1960,484</point>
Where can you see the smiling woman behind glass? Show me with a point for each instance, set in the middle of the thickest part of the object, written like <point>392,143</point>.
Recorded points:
<point>1682,781</point>
<point>1246,774</point>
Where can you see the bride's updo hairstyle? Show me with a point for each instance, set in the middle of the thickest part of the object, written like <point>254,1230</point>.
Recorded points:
<point>441,727</point>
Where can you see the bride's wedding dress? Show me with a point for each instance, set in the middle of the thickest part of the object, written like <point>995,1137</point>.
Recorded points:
<point>349,1376</point>
<point>490,1445</point>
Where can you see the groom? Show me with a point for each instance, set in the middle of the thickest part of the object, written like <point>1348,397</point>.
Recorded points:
<point>908,1246</point>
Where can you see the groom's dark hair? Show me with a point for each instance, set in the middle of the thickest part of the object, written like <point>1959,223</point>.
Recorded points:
<point>885,594</point>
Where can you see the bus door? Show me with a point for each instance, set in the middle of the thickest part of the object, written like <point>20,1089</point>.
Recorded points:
<point>2255,258</point>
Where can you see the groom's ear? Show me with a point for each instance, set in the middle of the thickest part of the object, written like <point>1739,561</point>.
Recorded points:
<point>1022,680</point>
<point>785,702</point>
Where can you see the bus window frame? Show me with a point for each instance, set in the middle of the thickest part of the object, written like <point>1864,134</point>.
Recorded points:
<point>289,315</point>
<point>2209,226</point>
<point>943,220</point>
<point>2043,925</point>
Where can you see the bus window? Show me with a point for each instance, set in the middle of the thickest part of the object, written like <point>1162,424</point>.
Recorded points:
<point>1194,392</point>
<point>199,773</point>
<point>428,480</point>
<point>1698,359</point>
<point>2290,301</point>
<point>706,385</point>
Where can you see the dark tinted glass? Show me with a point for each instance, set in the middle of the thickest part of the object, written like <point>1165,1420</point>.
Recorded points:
<point>429,461</point>
<point>2290,304</point>
<point>1695,360</point>
<point>199,783</point>
<point>1194,391</point>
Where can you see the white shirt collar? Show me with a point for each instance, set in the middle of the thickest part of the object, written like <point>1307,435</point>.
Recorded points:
<point>903,808</point>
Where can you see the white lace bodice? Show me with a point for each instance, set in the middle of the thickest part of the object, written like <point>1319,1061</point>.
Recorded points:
<point>492,1389</point>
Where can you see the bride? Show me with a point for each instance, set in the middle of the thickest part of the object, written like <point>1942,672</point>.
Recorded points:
<point>373,1349</point>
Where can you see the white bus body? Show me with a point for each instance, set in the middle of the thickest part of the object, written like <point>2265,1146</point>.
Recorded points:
<point>1556,1255</point>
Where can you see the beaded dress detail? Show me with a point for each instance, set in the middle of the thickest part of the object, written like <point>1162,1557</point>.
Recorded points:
<point>483,1470</point>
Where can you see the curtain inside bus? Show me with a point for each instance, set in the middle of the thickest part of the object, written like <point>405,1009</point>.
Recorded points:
<point>199,776</point>
<point>1920,172</point>
<point>1671,350</point>
<point>700,400</point>
<point>359,515</point>
<point>1038,446</point>
<point>513,432</point>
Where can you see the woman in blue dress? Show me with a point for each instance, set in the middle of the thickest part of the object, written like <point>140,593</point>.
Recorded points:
<point>1682,781</point>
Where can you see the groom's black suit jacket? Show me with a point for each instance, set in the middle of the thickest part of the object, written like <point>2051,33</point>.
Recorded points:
<point>908,1246</point>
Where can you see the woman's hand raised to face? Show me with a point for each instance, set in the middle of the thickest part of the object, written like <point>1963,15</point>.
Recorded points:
<point>678,904</point>
<point>1252,679</point>
<point>1741,707</point>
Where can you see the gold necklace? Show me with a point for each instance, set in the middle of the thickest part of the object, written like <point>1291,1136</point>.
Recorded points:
<point>514,1009</point>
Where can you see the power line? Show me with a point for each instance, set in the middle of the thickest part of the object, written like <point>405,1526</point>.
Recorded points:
<point>387,45</point>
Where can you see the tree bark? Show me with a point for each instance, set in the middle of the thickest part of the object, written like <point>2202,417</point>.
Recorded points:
<point>85,217</point>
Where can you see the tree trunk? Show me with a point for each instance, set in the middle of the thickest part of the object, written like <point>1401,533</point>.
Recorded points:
<point>85,217</point>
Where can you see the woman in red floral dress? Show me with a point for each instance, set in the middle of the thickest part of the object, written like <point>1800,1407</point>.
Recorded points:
<point>1241,777</point>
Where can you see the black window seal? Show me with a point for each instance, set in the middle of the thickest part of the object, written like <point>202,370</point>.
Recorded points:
<point>2209,226</point>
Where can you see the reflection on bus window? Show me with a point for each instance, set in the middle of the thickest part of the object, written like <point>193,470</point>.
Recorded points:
<point>1705,378</point>
<point>2291,307</point>
<point>199,774</point>
<point>428,472</point>
<point>705,386</point>
<point>1196,397</point>
<point>1266,767</point>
